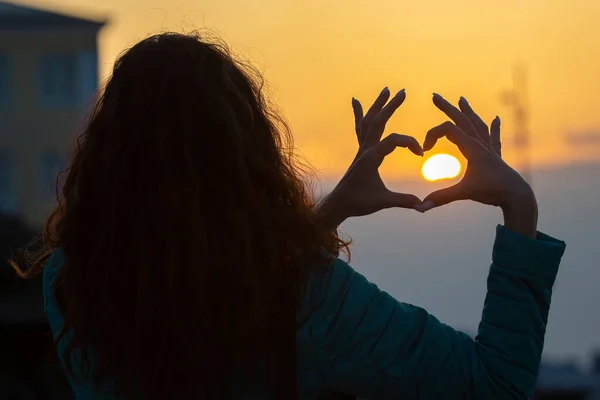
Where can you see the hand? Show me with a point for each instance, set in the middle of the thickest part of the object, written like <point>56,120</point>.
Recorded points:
<point>488,179</point>
<point>361,190</point>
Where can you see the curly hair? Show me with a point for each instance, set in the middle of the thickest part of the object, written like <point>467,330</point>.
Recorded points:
<point>187,229</point>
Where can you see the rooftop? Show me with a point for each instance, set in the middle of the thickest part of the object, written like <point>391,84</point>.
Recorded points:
<point>555,376</point>
<point>14,16</point>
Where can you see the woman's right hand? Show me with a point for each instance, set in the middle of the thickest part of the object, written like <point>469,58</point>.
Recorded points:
<point>488,179</point>
<point>361,190</point>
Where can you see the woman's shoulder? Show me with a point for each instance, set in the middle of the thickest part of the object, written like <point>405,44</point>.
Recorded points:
<point>53,264</point>
<point>330,282</point>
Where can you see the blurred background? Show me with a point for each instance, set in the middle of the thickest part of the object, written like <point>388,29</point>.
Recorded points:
<point>534,63</point>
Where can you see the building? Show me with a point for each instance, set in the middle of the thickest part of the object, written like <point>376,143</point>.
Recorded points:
<point>566,381</point>
<point>48,76</point>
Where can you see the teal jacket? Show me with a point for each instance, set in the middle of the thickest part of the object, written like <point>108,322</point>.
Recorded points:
<point>354,338</point>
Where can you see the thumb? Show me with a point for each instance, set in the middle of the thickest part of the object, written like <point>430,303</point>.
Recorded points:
<point>442,197</point>
<point>401,200</point>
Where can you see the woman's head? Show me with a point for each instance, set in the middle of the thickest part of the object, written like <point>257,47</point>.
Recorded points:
<point>185,224</point>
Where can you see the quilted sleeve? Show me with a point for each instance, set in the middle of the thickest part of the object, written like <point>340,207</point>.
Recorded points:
<point>358,340</point>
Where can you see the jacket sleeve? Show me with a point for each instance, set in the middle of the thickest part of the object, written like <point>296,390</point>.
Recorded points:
<point>361,341</point>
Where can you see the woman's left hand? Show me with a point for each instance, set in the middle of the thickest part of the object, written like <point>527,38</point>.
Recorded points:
<point>488,179</point>
<point>361,190</point>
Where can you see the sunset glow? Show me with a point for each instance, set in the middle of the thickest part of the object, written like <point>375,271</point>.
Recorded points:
<point>441,166</point>
<point>317,55</point>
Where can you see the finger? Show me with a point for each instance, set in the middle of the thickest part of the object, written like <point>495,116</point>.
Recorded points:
<point>495,137</point>
<point>460,119</point>
<point>377,124</point>
<point>377,105</point>
<point>442,197</point>
<point>387,111</point>
<point>358,117</point>
<point>466,144</point>
<point>389,144</point>
<point>480,126</point>
<point>400,200</point>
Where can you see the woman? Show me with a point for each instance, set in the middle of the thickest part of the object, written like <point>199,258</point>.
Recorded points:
<point>185,259</point>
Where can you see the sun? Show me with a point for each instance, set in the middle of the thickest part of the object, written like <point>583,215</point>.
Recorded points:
<point>441,166</point>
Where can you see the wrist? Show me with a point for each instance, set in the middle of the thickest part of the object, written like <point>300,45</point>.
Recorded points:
<point>521,213</point>
<point>330,212</point>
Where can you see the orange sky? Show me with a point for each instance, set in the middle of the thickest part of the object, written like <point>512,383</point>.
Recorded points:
<point>317,54</point>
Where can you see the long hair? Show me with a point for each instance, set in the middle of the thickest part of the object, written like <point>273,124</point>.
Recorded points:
<point>186,227</point>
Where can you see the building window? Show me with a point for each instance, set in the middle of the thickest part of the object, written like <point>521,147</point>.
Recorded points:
<point>68,79</point>
<point>87,65</point>
<point>5,80</point>
<point>51,164</point>
<point>58,80</point>
<point>8,184</point>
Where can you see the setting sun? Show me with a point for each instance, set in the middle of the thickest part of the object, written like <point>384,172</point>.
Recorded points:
<point>441,166</point>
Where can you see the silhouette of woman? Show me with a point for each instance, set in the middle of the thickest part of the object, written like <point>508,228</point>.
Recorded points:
<point>185,258</point>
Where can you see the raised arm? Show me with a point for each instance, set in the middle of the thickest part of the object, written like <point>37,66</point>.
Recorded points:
<point>361,341</point>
